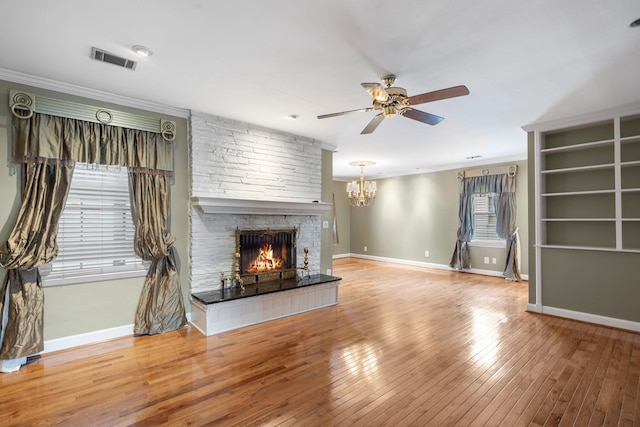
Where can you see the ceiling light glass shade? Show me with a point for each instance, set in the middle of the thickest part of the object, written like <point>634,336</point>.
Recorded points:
<point>142,50</point>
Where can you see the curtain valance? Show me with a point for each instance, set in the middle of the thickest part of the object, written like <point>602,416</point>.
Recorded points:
<point>49,137</point>
<point>492,184</point>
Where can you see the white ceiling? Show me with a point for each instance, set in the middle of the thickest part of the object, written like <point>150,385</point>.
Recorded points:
<point>259,61</point>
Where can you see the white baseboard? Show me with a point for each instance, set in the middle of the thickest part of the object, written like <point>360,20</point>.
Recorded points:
<point>90,337</point>
<point>534,308</point>
<point>591,318</point>
<point>425,264</point>
<point>87,338</point>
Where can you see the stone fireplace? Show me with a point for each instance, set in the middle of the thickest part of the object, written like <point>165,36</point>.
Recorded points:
<point>254,192</point>
<point>250,178</point>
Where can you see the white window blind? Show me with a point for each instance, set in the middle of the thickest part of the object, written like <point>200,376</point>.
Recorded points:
<point>96,231</point>
<point>484,220</point>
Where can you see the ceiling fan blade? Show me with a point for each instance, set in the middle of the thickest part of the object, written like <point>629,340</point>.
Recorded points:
<point>342,113</point>
<point>376,91</point>
<point>437,95</point>
<point>421,116</point>
<point>373,124</point>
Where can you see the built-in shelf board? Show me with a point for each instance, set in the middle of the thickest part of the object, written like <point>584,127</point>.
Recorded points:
<point>632,163</point>
<point>588,248</point>
<point>634,138</point>
<point>574,147</point>
<point>579,168</point>
<point>217,205</point>
<point>578,219</point>
<point>578,193</point>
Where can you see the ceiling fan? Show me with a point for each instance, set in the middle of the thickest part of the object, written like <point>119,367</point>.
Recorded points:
<point>392,100</point>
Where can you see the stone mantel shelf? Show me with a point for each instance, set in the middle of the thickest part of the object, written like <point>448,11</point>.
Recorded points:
<point>217,205</point>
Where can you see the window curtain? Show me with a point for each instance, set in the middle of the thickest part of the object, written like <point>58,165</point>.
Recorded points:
<point>505,207</point>
<point>31,244</point>
<point>461,259</point>
<point>160,308</point>
<point>48,146</point>
<point>504,187</point>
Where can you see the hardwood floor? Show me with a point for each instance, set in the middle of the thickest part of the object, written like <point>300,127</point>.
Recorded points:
<point>405,346</point>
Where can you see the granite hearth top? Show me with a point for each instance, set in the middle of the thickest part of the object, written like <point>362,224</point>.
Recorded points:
<point>229,294</point>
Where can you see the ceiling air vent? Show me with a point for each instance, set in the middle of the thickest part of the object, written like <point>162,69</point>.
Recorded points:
<point>104,56</point>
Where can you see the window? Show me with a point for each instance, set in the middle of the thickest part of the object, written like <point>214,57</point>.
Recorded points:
<point>96,231</point>
<point>484,222</point>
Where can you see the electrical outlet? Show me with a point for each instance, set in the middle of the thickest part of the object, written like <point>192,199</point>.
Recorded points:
<point>328,272</point>
<point>365,249</point>
<point>426,254</point>
<point>486,260</point>
<point>325,224</point>
<point>494,261</point>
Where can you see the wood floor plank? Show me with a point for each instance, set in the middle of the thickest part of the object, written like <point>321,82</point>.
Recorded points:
<point>405,346</point>
<point>613,406</point>
<point>466,394</point>
<point>588,406</point>
<point>631,399</point>
<point>504,397</point>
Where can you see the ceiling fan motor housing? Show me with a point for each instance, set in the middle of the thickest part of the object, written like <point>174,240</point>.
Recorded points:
<point>389,110</point>
<point>396,91</point>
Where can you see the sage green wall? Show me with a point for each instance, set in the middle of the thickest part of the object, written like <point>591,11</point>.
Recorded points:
<point>602,283</point>
<point>326,238</point>
<point>88,307</point>
<point>417,213</point>
<point>343,219</point>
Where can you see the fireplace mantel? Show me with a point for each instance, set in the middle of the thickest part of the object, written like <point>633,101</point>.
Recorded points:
<point>217,205</point>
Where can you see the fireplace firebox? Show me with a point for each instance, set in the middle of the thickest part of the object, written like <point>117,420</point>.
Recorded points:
<point>266,255</point>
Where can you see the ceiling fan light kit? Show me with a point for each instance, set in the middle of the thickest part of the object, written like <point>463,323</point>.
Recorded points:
<point>391,100</point>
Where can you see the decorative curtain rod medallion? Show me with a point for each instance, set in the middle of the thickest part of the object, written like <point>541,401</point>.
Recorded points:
<point>168,129</point>
<point>105,117</point>
<point>22,104</point>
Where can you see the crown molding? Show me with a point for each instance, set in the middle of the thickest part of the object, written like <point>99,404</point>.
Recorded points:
<point>447,167</point>
<point>328,147</point>
<point>94,94</point>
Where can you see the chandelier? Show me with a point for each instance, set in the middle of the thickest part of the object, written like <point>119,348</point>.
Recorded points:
<point>361,193</point>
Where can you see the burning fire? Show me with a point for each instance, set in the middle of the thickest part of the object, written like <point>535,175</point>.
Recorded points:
<point>265,260</point>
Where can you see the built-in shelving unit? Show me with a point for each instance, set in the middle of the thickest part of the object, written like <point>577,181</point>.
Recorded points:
<point>586,180</point>
<point>589,186</point>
